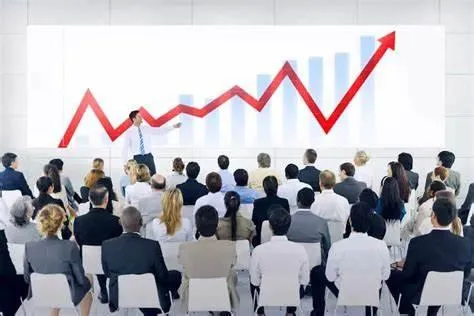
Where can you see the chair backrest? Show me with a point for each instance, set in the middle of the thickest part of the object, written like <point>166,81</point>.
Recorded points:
<point>336,230</point>
<point>436,285</point>
<point>471,211</point>
<point>243,255</point>
<point>92,259</point>
<point>137,290</point>
<point>314,253</point>
<point>9,197</point>
<point>393,233</point>
<point>50,290</point>
<point>4,214</point>
<point>208,295</point>
<point>17,254</point>
<point>246,210</point>
<point>359,289</point>
<point>83,208</point>
<point>188,212</point>
<point>266,233</point>
<point>170,251</point>
<point>279,290</point>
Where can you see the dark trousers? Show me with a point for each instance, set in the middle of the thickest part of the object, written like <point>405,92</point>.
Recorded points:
<point>319,282</point>
<point>410,294</point>
<point>102,280</point>
<point>12,288</point>
<point>174,282</point>
<point>147,160</point>
<point>261,310</point>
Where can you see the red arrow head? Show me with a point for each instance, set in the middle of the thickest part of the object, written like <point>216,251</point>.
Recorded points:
<point>388,40</point>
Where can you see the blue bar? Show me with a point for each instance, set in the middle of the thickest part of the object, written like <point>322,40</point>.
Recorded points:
<point>212,128</point>
<point>186,132</point>
<point>316,90</point>
<point>264,117</point>
<point>237,122</point>
<point>289,110</point>
<point>341,70</point>
<point>367,49</point>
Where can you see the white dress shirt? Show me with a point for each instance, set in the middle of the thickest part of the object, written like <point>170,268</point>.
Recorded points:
<point>228,182</point>
<point>183,234</point>
<point>277,257</point>
<point>290,190</point>
<point>174,179</point>
<point>131,142</point>
<point>358,254</point>
<point>331,206</point>
<point>365,174</point>
<point>135,192</point>
<point>213,199</point>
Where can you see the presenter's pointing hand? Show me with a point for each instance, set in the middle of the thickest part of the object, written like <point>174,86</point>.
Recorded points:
<point>177,125</point>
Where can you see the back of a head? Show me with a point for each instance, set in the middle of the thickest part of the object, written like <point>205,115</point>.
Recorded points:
<point>406,160</point>
<point>178,165</point>
<point>131,220</point>
<point>8,159</point>
<point>192,170</point>
<point>264,160</point>
<point>223,162</point>
<point>436,186</point>
<point>361,157</point>
<point>58,163</point>
<point>445,211</point>
<point>391,201</point>
<point>43,184</point>
<point>369,197</point>
<point>399,174</point>
<point>232,204</point>
<point>206,219</point>
<point>98,195</point>
<point>327,179</point>
<point>279,220</point>
<point>172,201</point>
<point>53,172</point>
<point>50,219</point>
<point>20,210</point>
<point>360,217</point>
<point>270,185</point>
<point>158,182</point>
<point>92,177</point>
<point>213,182</point>
<point>447,158</point>
<point>98,163</point>
<point>241,177</point>
<point>441,172</point>
<point>143,173</point>
<point>348,168</point>
<point>291,171</point>
<point>446,194</point>
<point>305,198</point>
<point>310,155</point>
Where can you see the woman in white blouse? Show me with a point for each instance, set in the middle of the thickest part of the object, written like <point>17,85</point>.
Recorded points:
<point>140,188</point>
<point>170,226</point>
<point>425,209</point>
<point>177,177</point>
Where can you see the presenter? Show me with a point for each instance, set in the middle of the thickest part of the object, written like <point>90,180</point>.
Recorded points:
<point>138,140</point>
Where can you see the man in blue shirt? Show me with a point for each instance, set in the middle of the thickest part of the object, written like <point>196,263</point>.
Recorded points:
<point>247,195</point>
<point>227,179</point>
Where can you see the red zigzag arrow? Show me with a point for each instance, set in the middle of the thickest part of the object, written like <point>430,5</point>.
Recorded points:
<point>386,42</point>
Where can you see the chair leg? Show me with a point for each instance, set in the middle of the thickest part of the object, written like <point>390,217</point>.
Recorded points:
<point>335,310</point>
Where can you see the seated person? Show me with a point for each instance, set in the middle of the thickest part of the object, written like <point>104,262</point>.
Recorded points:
<point>247,195</point>
<point>256,176</point>
<point>45,188</point>
<point>290,189</point>
<point>141,188</point>
<point>228,182</point>
<point>349,187</point>
<point>21,229</point>
<point>191,188</point>
<point>150,206</point>
<point>215,197</point>
<point>10,179</point>
<point>233,226</point>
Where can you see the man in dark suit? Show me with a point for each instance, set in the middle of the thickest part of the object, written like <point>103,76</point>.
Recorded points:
<point>97,226</point>
<point>349,187</point>
<point>192,189</point>
<point>406,160</point>
<point>466,206</point>
<point>440,251</point>
<point>262,205</point>
<point>446,159</point>
<point>310,174</point>
<point>10,179</point>
<point>132,254</point>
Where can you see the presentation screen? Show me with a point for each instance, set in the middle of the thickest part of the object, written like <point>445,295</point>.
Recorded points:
<point>238,86</point>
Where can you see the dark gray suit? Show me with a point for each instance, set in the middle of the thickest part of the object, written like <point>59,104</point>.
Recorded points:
<point>413,178</point>
<point>53,255</point>
<point>453,181</point>
<point>350,188</point>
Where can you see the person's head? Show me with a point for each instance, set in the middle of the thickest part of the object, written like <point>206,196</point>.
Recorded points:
<point>21,211</point>
<point>270,185</point>
<point>264,160</point>
<point>446,159</point>
<point>50,219</point>
<point>305,198</point>
<point>45,185</point>
<point>361,158</point>
<point>279,220</point>
<point>447,195</point>
<point>435,187</point>
<point>58,163</point>
<point>223,162</point>
<point>241,177</point>
<point>99,196</point>
<point>206,219</point>
<point>291,171</point>
<point>213,182</point>
<point>232,205</point>
<point>396,170</point>
<point>143,173</point>
<point>192,170</point>
<point>131,220</point>
<point>390,198</point>
<point>135,117</point>
<point>98,163</point>
<point>310,156</point>
<point>406,160</point>
<point>369,197</point>
<point>52,172</point>
<point>129,166</point>
<point>158,182</point>
<point>327,180</point>
<point>346,170</point>
<point>359,217</point>
<point>9,160</point>
<point>172,202</point>
<point>444,213</point>
<point>178,165</point>
<point>92,177</point>
<point>440,174</point>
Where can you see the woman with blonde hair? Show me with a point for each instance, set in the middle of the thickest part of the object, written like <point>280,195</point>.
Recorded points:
<point>177,176</point>
<point>126,179</point>
<point>171,226</point>
<point>52,255</point>
<point>89,181</point>
<point>141,188</point>
<point>363,172</point>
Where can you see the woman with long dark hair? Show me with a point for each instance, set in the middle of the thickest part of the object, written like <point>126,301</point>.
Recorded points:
<point>59,191</point>
<point>233,226</point>
<point>395,170</point>
<point>390,205</point>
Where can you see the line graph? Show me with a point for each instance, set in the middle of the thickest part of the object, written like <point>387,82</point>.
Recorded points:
<point>88,101</point>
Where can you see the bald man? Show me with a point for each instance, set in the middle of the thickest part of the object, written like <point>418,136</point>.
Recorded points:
<point>150,206</point>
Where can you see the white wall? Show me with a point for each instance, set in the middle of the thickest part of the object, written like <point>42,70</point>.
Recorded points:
<point>456,15</point>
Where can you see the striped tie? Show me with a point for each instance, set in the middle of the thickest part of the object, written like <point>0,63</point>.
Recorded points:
<point>142,144</point>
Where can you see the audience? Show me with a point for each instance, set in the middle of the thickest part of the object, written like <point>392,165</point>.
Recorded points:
<point>21,230</point>
<point>90,180</point>
<point>52,255</point>
<point>439,250</point>
<point>395,170</point>
<point>228,182</point>
<point>150,206</point>
<point>262,205</point>
<point>45,188</point>
<point>171,226</point>
<point>256,176</point>
<point>406,160</point>
<point>310,174</point>
<point>233,226</point>
<point>191,188</point>
<point>349,187</point>
<point>126,178</point>
<point>208,257</point>
<point>278,257</point>
<point>363,172</point>
<point>247,195</point>
<point>290,189</point>
<point>10,178</point>
<point>141,256</point>
<point>71,194</point>
<point>215,197</point>
<point>107,183</point>
<point>390,206</point>
<point>140,189</point>
<point>446,159</point>
<point>466,205</point>
<point>93,228</point>
<point>176,177</point>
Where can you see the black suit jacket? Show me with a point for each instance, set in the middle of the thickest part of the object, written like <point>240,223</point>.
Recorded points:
<point>260,213</point>
<point>11,179</point>
<point>310,175</point>
<point>413,178</point>
<point>350,188</point>
<point>463,212</point>
<point>377,228</point>
<point>192,190</point>
<point>43,200</point>
<point>132,254</point>
<point>6,266</point>
<point>469,235</point>
<point>95,227</point>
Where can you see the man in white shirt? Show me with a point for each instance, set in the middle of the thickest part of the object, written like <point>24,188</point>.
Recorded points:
<point>228,182</point>
<point>278,256</point>
<point>150,206</point>
<point>290,189</point>
<point>358,254</point>
<point>138,140</point>
<point>214,198</point>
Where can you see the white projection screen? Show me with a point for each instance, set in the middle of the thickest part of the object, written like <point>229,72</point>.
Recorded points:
<point>238,86</point>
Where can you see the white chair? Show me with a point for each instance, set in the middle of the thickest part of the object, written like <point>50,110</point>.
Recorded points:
<point>208,295</point>
<point>336,230</point>
<point>266,233</point>
<point>243,255</point>
<point>92,259</point>
<point>246,210</point>
<point>4,214</point>
<point>17,254</point>
<point>51,291</point>
<point>9,197</point>
<point>471,211</point>
<point>278,291</point>
<point>138,291</point>
<point>359,289</point>
<point>393,239</point>
<point>170,252</point>
<point>314,253</point>
<point>83,208</point>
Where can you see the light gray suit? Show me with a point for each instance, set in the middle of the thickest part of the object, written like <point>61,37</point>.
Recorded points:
<point>150,206</point>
